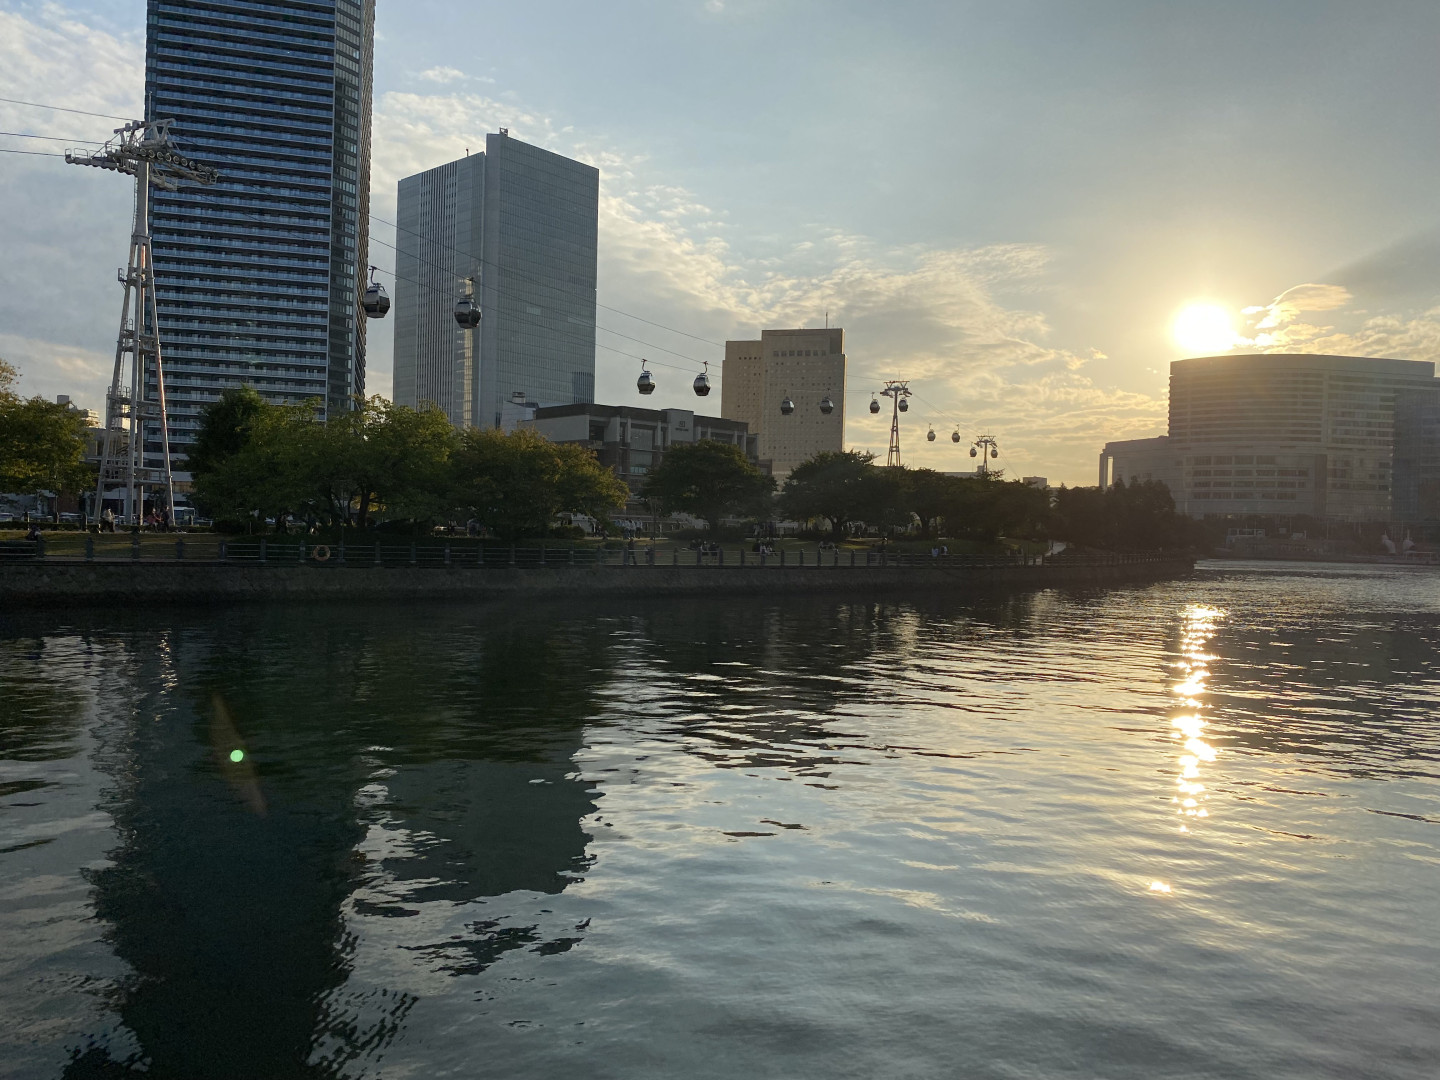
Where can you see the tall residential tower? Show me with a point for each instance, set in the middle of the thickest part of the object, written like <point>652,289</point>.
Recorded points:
<point>258,278</point>
<point>521,224</point>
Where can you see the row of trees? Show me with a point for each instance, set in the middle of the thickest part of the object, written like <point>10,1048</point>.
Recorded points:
<point>42,444</point>
<point>846,490</point>
<point>380,461</point>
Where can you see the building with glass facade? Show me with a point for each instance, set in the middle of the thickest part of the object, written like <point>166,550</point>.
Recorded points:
<point>522,223</point>
<point>1291,435</point>
<point>258,278</point>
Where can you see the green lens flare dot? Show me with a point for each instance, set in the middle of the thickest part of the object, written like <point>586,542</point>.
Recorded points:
<point>237,755</point>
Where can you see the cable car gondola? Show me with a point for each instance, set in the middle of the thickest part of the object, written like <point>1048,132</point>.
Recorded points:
<point>826,405</point>
<point>973,452</point>
<point>467,311</point>
<point>904,405</point>
<point>646,382</point>
<point>930,435</point>
<point>702,381</point>
<point>786,406</point>
<point>375,302</point>
<point>955,435</point>
<point>874,404</point>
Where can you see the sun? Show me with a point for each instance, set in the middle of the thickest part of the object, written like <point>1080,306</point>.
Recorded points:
<point>1204,329</point>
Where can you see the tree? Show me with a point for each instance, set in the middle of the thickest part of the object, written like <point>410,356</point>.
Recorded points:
<point>42,443</point>
<point>379,459</point>
<point>261,460</point>
<point>1136,517</point>
<point>516,483</point>
<point>843,487</point>
<point>985,509</point>
<point>927,494</point>
<point>708,479</point>
<point>225,428</point>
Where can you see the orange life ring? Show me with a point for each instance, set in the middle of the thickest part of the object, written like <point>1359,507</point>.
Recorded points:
<point>321,554</point>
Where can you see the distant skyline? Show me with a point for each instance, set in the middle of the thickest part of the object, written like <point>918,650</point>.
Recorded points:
<point>1007,204</point>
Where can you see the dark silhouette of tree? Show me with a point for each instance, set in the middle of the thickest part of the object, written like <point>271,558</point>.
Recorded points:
<point>844,487</point>
<point>516,483</point>
<point>1135,517</point>
<point>710,480</point>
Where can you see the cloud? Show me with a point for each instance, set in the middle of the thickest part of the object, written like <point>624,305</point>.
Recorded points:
<point>442,75</point>
<point>668,256</point>
<point>1290,304</point>
<point>65,229</point>
<point>1280,326</point>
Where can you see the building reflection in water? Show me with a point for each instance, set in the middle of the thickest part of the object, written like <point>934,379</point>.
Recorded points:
<point>1188,723</point>
<point>243,802</point>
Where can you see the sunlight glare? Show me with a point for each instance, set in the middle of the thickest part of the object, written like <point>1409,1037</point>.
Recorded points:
<point>1204,329</point>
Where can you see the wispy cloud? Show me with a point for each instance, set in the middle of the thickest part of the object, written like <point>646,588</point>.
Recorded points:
<point>442,75</point>
<point>669,255</point>
<point>1285,325</point>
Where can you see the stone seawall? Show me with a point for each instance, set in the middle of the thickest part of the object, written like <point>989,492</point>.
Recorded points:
<point>65,583</point>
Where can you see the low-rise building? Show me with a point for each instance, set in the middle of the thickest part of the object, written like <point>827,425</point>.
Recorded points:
<point>633,441</point>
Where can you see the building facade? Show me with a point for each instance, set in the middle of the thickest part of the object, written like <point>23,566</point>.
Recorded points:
<point>1415,476</point>
<point>1292,435</point>
<point>634,441</point>
<point>438,252</point>
<point>806,366</point>
<point>518,225</point>
<point>259,277</point>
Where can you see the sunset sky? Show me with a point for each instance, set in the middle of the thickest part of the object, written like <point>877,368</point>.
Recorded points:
<point>1009,204</point>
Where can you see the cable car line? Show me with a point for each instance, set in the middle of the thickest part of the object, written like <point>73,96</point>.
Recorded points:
<point>518,296</point>
<point>557,330</point>
<point>491,262</point>
<point>52,138</point>
<point>62,108</point>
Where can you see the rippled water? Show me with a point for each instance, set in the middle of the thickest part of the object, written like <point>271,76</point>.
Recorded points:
<point>1188,830</point>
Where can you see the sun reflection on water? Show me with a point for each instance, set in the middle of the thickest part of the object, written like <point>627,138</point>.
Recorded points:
<point>1199,623</point>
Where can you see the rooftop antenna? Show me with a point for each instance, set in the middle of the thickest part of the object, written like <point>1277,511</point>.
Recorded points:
<point>142,149</point>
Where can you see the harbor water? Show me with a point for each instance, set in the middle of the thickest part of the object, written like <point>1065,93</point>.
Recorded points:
<point>1188,829</point>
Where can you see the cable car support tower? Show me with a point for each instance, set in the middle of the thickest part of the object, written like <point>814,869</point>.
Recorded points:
<point>142,149</point>
<point>897,390</point>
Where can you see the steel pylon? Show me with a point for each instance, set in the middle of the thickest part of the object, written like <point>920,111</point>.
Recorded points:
<point>897,390</point>
<point>142,149</point>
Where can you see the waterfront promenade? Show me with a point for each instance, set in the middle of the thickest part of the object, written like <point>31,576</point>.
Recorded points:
<point>219,571</point>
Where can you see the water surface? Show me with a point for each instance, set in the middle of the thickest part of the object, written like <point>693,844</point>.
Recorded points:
<point>1185,830</point>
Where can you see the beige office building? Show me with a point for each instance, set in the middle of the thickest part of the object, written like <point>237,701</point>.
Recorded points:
<point>807,366</point>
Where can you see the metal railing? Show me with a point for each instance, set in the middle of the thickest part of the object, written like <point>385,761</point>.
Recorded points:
<point>463,554</point>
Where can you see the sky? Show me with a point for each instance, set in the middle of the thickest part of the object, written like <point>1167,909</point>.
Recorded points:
<point>1007,204</point>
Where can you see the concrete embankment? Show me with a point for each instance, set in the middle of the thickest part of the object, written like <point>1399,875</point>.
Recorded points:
<point>67,583</point>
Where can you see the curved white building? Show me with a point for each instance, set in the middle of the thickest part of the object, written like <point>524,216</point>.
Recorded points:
<point>1279,434</point>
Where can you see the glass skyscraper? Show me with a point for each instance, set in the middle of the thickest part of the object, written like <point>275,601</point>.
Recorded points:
<point>523,223</point>
<point>258,278</point>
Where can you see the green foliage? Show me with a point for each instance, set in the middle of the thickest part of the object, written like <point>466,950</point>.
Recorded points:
<point>845,488</point>
<point>42,443</point>
<point>377,460</point>
<point>516,483</point>
<point>709,480</point>
<point>225,426</point>
<point>985,510</point>
<point>1138,517</point>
